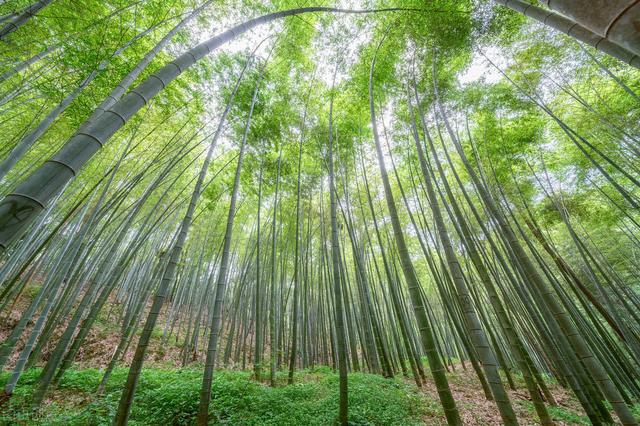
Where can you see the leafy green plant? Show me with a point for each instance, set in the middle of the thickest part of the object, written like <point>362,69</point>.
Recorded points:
<point>170,397</point>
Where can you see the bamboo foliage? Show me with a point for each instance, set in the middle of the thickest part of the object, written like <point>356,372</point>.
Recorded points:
<point>264,206</point>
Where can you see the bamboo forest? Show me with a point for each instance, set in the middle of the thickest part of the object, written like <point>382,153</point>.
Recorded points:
<point>319,212</point>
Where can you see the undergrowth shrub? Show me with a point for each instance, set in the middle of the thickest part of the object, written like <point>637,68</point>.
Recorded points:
<point>170,397</point>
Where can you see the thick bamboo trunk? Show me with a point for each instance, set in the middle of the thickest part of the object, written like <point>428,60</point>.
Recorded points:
<point>23,18</point>
<point>615,20</point>
<point>626,52</point>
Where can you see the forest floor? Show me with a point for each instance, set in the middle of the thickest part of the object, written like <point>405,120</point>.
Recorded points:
<point>168,394</point>
<point>475,409</point>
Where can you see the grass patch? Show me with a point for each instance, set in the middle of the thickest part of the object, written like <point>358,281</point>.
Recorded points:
<point>170,397</point>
